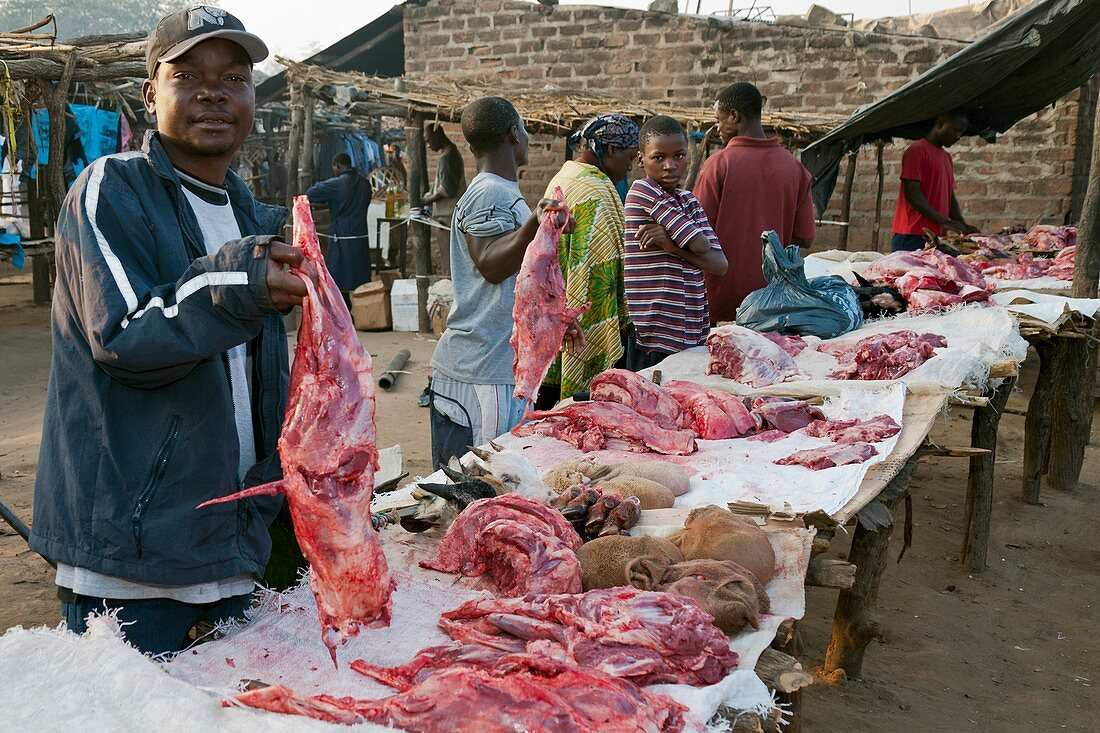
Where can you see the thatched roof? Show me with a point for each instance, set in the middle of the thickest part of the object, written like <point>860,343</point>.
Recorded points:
<point>549,110</point>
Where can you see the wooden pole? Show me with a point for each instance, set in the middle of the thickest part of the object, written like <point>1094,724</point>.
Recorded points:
<point>1071,411</point>
<point>1037,423</point>
<point>305,170</point>
<point>979,485</point>
<point>1086,270</point>
<point>56,100</point>
<point>875,244</point>
<point>846,201</point>
<point>34,185</point>
<point>295,142</point>
<point>418,233</point>
<point>853,626</point>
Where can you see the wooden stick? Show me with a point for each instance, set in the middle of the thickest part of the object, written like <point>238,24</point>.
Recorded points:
<point>305,162</point>
<point>51,70</point>
<point>979,486</point>
<point>418,233</point>
<point>782,672</point>
<point>875,244</point>
<point>295,141</point>
<point>1086,269</point>
<point>846,201</point>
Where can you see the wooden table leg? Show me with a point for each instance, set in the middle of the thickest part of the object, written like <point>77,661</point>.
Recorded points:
<point>1037,423</point>
<point>792,645</point>
<point>1071,420</point>
<point>853,628</point>
<point>979,484</point>
<point>40,279</point>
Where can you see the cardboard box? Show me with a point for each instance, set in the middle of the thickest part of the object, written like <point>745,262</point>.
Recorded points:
<point>370,307</point>
<point>403,306</point>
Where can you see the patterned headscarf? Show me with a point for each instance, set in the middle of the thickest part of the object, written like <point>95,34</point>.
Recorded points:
<point>604,131</point>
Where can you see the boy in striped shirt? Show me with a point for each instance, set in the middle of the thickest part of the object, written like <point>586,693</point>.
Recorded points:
<point>669,245</point>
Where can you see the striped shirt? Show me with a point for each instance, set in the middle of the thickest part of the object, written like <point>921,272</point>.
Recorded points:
<point>666,295</point>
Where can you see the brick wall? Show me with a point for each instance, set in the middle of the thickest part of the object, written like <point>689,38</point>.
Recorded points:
<point>1027,176</point>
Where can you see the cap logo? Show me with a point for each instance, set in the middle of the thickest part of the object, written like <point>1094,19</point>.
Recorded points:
<point>202,15</point>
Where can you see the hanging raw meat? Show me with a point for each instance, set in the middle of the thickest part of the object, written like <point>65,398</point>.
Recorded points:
<point>540,313</point>
<point>328,450</point>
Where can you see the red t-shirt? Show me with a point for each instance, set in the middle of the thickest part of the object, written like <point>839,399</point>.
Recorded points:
<point>750,186</point>
<point>931,165</point>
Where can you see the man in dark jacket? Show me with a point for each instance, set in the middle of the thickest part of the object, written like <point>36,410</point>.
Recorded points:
<point>169,370</point>
<point>347,195</point>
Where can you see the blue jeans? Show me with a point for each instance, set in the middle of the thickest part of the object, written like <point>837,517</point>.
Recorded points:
<point>159,624</point>
<point>907,243</point>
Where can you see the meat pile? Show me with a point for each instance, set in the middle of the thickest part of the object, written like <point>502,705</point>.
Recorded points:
<point>540,312</point>
<point>639,394</point>
<point>847,432</point>
<point>328,450</point>
<point>749,357</point>
<point>883,356</point>
<point>590,426</point>
<point>829,456</point>
<point>1026,267</point>
<point>1047,238</point>
<point>785,414</point>
<point>491,692</point>
<point>523,545</point>
<point>646,637</point>
<point>930,280</point>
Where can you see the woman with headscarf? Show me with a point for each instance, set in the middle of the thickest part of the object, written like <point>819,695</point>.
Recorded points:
<point>592,255</point>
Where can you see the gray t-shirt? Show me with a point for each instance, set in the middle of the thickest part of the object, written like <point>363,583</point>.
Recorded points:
<point>475,348</point>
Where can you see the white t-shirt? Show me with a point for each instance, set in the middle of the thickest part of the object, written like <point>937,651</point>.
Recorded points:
<point>219,226</point>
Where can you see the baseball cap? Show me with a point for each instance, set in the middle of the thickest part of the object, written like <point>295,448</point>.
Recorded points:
<point>178,33</point>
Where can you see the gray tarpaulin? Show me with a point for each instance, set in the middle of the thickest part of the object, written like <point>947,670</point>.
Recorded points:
<point>1022,64</point>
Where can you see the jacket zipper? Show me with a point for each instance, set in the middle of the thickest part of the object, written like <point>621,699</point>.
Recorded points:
<point>159,467</point>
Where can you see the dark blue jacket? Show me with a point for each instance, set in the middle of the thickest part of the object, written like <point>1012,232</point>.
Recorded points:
<point>139,424</point>
<point>348,196</point>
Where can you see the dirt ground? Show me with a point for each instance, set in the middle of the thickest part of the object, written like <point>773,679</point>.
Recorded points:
<point>1011,650</point>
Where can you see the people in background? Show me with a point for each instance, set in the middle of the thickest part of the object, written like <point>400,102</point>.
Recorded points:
<point>926,198</point>
<point>168,377</point>
<point>450,183</point>
<point>592,255</point>
<point>471,391</point>
<point>669,245</point>
<point>753,184</point>
<point>347,195</point>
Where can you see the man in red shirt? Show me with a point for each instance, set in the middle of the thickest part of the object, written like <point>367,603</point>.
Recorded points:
<point>748,187</point>
<point>926,199</point>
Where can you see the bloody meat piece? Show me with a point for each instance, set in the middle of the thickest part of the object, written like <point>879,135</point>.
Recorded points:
<point>520,692</point>
<point>932,300</point>
<point>883,356</point>
<point>1063,264</point>
<point>458,548</point>
<point>589,426</point>
<point>874,430</point>
<point>638,393</point>
<point>1048,238</point>
<point>426,662</point>
<point>768,436</point>
<point>786,414</point>
<point>539,311</point>
<point>646,637</point>
<point>919,276</point>
<point>746,356</point>
<point>328,450</point>
<point>793,345</point>
<point>711,413</point>
<point>829,456</point>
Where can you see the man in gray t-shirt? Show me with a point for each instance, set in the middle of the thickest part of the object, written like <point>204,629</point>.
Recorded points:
<point>471,399</point>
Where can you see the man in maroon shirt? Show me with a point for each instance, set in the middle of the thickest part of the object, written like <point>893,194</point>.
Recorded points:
<point>748,187</point>
<point>926,199</point>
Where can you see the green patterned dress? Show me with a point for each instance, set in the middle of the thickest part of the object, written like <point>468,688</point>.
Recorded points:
<point>592,262</point>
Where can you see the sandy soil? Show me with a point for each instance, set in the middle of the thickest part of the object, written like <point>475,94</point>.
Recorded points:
<point>1010,650</point>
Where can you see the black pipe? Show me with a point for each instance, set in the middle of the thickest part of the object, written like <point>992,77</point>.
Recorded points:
<point>19,526</point>
<point>397,363</point>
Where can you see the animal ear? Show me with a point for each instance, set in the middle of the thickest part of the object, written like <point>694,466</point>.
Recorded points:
<point>862,280</point>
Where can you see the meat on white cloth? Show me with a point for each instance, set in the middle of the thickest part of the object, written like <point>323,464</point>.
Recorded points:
<point>748,357</point>
<point>830,456</point>
<point>540,312</point>
<point>328,450</point>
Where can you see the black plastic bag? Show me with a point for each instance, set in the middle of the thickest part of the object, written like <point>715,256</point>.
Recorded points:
<point>825,307</point>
